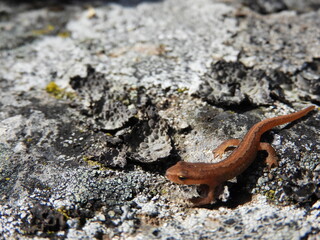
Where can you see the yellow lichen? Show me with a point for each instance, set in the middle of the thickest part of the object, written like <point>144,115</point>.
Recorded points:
<point>270,194</point>
<point>164,191</point>
<point>64,34</point>
<point>46,30</point>
<point>64,212</point>
<point>93,163</point>
<point>54,90</point>
<point>182,90</point>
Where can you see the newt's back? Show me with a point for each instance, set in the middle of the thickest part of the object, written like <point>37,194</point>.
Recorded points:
<point>247,150</point>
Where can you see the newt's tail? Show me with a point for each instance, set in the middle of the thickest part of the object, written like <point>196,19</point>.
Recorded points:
<point>276,121</point>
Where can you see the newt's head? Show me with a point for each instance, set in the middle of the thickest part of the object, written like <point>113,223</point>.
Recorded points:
<point>184,173</point>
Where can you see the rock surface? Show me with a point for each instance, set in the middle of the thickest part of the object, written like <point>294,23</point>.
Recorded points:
<point>99,98</point>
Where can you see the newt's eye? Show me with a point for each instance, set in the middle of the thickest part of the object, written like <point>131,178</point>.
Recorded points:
<point>182,178</point>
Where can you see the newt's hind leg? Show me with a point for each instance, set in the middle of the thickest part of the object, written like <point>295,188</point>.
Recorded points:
<point>224,146</point>
<point>272,159</point>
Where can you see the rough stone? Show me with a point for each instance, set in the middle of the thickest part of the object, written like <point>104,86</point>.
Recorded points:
<point>99,98</point>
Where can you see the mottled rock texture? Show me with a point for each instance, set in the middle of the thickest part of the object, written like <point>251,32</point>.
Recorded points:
<point>99,98</point>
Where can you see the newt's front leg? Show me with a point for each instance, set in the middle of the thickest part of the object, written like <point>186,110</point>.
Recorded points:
<point>197,201</point>
<point>210,192</point>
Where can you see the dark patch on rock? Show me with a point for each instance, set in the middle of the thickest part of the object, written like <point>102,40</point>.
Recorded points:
<point>106,149</point>
<point>307,79</point>
<point>265,6</point>
<point>9,174</point>
<point>149,140</point>
<point>146,141</point>
<point>274,6</point>
<point>231,83</point>
<point>69,141</point>
<point>143,138</point>
<point>109,109</point>
<point>303,186</point>
<point>45,219</point>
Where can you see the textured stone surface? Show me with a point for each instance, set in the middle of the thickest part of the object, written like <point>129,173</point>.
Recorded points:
<point>233,84</point>
<point>99,98</point>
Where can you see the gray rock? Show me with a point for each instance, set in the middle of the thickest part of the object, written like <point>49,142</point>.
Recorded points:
<point>97,101</point>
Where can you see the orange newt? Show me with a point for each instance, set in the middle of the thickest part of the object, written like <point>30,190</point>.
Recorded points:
<point>213,175</point>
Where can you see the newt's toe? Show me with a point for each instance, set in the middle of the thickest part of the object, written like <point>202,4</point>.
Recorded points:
<point>272,162</point>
